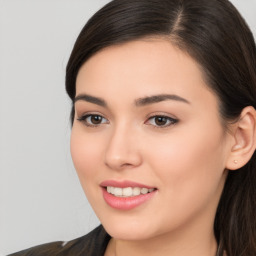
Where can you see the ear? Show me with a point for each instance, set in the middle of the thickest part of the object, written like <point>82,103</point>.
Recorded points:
<point>244,137</point>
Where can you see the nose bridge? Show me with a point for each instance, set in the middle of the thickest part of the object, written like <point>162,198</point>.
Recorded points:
<point>122,150</point>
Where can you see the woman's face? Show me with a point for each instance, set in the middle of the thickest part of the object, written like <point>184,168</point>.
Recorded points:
<point>147,140</point>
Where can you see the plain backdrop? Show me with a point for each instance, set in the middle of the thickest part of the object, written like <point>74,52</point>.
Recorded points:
<point>40,196</point>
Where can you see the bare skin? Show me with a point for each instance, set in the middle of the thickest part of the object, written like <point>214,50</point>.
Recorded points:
<point>175,144</point>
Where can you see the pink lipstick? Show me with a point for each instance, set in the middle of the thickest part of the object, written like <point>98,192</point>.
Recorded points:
<point>126,195</point>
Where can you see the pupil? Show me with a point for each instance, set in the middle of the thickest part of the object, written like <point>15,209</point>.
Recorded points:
<point>161,120</point>
<point>96,119</point>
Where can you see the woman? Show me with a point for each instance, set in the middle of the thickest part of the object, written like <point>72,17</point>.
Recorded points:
<point>163,130</point>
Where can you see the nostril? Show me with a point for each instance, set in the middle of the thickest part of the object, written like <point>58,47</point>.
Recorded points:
<point>123,162</point>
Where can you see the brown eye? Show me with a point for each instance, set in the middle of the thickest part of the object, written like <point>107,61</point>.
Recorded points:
<point>93,120</point>
<point>162,121</point>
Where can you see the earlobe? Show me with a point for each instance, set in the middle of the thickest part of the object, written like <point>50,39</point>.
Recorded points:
<point>244,139</point>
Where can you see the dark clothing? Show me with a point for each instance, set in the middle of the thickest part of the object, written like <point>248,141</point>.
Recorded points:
<point>92,244</point>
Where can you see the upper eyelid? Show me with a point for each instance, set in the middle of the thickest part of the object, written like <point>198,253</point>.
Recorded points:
<point>163,114</point>
<point>85,115</point>
<point>88,113</point>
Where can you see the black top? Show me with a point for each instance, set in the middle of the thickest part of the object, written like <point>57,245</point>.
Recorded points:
<point>92,244</point>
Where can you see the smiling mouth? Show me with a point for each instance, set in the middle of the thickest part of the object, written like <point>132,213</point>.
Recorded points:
<point>128,191</point>
<point>126,195</point>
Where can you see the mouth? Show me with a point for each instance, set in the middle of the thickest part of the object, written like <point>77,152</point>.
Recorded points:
<point>126,195</point>
<point>128,191</point>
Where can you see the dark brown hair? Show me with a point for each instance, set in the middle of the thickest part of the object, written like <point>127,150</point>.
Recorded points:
<point>217,37</point>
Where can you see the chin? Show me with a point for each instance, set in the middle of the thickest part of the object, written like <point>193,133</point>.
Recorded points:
<point>128,234</point>
<point>129,229</point>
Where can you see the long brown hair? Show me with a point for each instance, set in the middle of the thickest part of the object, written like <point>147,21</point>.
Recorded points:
<point>217,37</point>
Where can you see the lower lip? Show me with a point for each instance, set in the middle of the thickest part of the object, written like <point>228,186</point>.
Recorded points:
<point>126,203</point>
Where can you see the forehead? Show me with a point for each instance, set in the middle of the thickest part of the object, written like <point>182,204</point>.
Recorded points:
<point>143,67</point>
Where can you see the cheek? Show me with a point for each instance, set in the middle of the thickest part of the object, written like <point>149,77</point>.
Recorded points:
<point>86,153</point>
<point>189,172</point>
<point>190,163</point>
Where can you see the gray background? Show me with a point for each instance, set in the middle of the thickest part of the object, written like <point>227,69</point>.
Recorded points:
<point>40,195</point>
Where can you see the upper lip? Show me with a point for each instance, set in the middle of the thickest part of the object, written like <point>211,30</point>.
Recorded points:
<point>123,184</point>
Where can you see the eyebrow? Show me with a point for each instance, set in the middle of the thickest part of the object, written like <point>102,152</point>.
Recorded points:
<point>159,98</point>
<point>138,102</point>
<point>91,99</point>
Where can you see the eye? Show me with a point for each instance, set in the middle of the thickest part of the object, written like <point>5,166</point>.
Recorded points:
<point>93,120</point>
<point>161,121</point>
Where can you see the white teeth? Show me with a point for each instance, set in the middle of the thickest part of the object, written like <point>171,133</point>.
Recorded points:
<point>118,192</point>
<point>144,191</point>
<point>136,191</point>
<point>128,192</point>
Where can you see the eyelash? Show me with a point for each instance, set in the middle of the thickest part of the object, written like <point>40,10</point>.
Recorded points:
<point>170,120</point>
<point>83,119</point>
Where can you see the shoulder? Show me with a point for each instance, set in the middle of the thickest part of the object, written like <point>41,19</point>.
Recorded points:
<point>94,243</point>
<point>45,249</point>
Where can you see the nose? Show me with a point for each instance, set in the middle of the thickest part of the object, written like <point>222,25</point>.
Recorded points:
<point>122,150</point>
